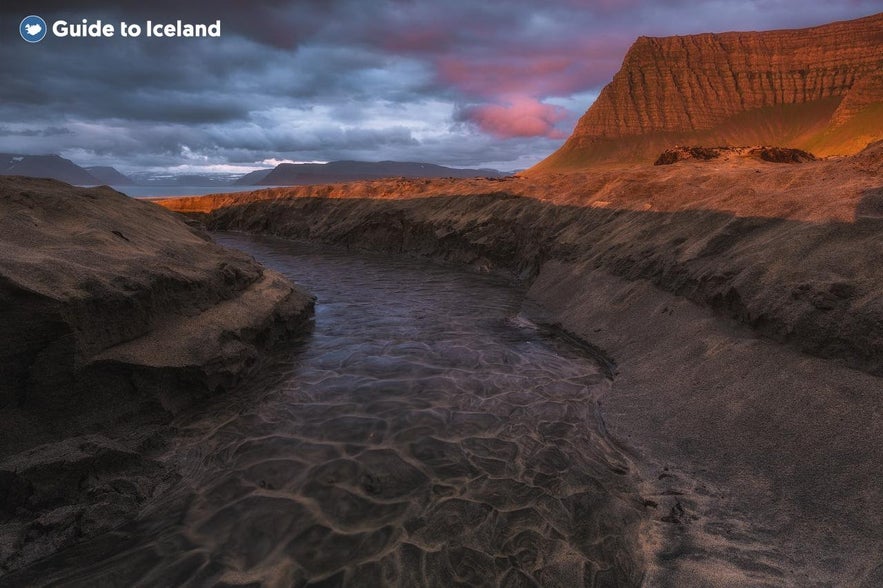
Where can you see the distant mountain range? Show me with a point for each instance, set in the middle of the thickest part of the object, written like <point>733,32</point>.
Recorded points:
<point>59,168</point>
<point>110,176</point>
<point>254,178</point>
<point>299,174</point>
<point>45,166</point>
<point>284,174</point>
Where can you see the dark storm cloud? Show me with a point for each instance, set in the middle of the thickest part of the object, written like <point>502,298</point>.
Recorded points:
<point>115,78</point>
<point>458,82</point>
<point>44,132</point>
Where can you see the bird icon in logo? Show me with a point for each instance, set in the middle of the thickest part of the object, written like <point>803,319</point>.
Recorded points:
<point>32,29</point>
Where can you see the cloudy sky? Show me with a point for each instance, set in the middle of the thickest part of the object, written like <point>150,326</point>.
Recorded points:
<point>469,83</point>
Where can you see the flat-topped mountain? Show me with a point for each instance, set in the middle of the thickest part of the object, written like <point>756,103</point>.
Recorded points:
<point>818,89</point>
<point>299,174</point>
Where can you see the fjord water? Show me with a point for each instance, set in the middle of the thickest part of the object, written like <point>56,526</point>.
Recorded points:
<point>423,433</point>
<point>177,191</point>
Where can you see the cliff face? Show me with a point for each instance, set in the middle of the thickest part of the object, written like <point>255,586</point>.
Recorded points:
<point>819,89</point>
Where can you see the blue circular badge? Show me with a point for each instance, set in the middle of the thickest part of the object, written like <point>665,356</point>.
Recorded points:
<point>32,29</point>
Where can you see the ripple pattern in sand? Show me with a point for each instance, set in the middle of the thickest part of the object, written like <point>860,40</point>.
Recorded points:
<point>425,435</point>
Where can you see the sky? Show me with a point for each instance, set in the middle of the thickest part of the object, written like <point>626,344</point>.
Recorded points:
<point>464,83</point>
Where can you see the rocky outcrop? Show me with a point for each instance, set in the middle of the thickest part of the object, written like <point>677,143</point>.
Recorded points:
<point>818,89</point>
<point>114,315</point>
<point>106,298</point>
<point>110,305</point>
<point>770,154</point>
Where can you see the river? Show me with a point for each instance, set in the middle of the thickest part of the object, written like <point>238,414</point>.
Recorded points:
<point>425,432</point>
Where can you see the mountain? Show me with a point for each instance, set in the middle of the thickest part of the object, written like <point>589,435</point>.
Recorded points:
<point>819,89</point>
<point>297,174</point>
<point>110,176</point>
<point>252,178</point>
<point>46,166</point>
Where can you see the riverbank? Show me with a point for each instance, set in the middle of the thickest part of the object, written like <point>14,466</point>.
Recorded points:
<point>748,345</point>
<point>426,433</point>
<point>116,315</point>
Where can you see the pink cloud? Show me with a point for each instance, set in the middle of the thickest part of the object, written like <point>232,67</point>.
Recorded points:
<point>507,63</point>
<point>543,71</point>
<point>520,117</point>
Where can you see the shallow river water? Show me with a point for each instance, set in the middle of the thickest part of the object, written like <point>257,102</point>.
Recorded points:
<point>423,433</point>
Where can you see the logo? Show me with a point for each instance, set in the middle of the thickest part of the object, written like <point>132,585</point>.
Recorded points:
<point>32,29</point>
